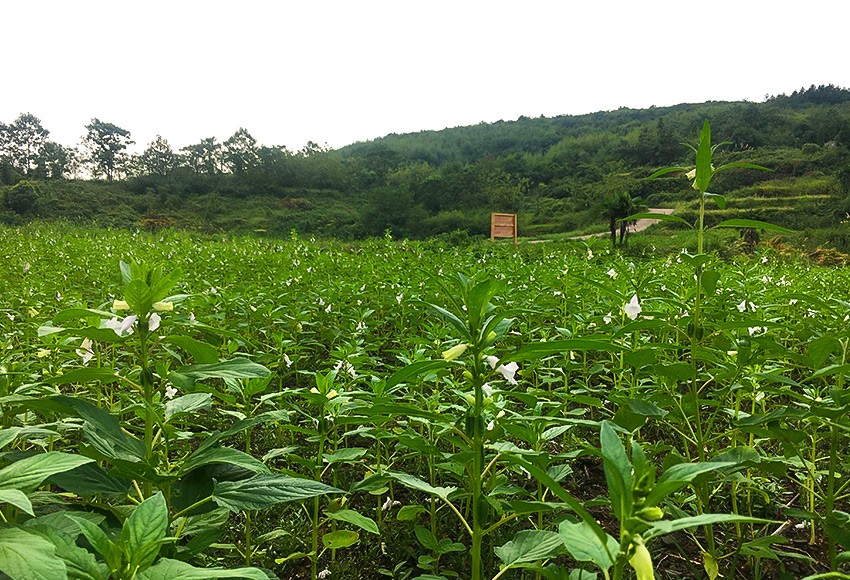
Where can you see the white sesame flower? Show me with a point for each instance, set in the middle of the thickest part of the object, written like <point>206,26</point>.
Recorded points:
<point>607,318</point>
<point>121,327</point>
<point>287,360</point>
<point>487,390</point>
<point>399,298</point>
<point>170,392</point>
<point>324,574</point>
<point>632,308</point>
<point>493,361</point>
<point>612,272</point>
<point>508,371</point>
<point>153,321</point>
<point>85,350</point>
<point>792,302</point>
<point>491,425</point>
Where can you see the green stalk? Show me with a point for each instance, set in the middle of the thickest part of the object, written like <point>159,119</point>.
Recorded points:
<point>477,466</point>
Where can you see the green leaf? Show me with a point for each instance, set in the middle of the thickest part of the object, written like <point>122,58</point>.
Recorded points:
<point>143,531</point>
<point>138,295</point>
<point>415,483</point>
<point>238,368</point>
<point>585,546</point>
<point>427,538</point>
<point>202,352</point>
<point>678,476</point>
<point>530,546</point>
<point>89,480</point>
<point>340,539</point>
<point>755,224</point>
<point>668,526</point>
<point>409,512</point>
<point>167,569</point>
<point>709,281</point>
<point>704,151</point>
<point>618,470</point>
<point>718,199</point>
<point>16,498</point>
<point>355,518</point>
<point>212,455</point>
<point>28,473</point>
<point>264,491</point>
<point>741,165</point>
<point>80,563</point>
<point>345,455</point>
<point>187,404</point>
<point>85,375</point>
<point>25,556</point>
<point>416,369</point>
<point>8,435</point>
<point>666,170</point>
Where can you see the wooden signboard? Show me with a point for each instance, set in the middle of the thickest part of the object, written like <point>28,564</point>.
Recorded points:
<point>503,225</point>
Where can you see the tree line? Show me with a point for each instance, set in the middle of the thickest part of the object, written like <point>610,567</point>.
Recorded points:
<point>560,173</point>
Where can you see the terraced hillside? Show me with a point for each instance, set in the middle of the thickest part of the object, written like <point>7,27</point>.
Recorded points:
<point>794,202</point>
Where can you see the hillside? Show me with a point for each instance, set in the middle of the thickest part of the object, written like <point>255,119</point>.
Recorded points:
<point>561,174</point>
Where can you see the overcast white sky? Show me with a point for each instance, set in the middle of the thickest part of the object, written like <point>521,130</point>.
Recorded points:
<point>342,71</point>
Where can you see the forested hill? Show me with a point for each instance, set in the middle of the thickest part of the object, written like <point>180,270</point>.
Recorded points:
<point>559,174</point>
<point>813,115</point>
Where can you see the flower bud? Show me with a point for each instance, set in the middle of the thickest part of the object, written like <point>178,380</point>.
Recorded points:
<point>650,514</point>
<point>120,305</point>
<point>455,351</point>
<point>641,561</point>
<point>163,306</point>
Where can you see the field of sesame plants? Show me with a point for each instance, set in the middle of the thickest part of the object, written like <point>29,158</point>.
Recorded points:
<point>179,407</point>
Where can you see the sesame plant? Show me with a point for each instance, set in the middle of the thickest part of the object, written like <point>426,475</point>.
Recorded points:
<point>310,409</point>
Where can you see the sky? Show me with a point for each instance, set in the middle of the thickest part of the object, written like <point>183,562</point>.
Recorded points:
<point>337,72</point>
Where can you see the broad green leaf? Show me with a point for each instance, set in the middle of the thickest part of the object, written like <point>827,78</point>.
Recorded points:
<point>202,352</point>
<point>16,498</point>
<point>8,435</point>
<point>238,368</point>
<point>678,476</point>
<point>345,455</point>
<point>28,473</point>
<point>417,369</point>
<point>667,170</point>
<point>264,491</point>
<point>79,562</point>
<point>540,350</point>
<point>585,546</point>
<point>618,470</point>
<point>427,538</point>
<point>211,455</point>
<point>530,546</point>
<point>718,199</point>
<point>755,224</point>
<point>187,404</point>
<point>89,480</point>
<point>25,556</point>
<point>704,151</point>
<point>144,529</point>
<point>409,512</point>
<point>77,313</point>
<point>355,518</point>
<point>167,569</point>
<point>668,526</point>
<point>415,483</point>
<point>340,539</point>
<point>85,375</point>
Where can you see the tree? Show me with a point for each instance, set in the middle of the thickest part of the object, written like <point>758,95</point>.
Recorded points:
<point>25,139</point>
<point>617,206</point>
<point>204,157</point>
<point>158,158</point>
<point>240,152</point>
<point>106,144</point>
<point>54,162</point>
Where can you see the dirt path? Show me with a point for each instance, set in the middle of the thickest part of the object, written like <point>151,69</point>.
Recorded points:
<point>638,226</point>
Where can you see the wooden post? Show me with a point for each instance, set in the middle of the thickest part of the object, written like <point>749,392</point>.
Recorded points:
<point>503,225</point>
